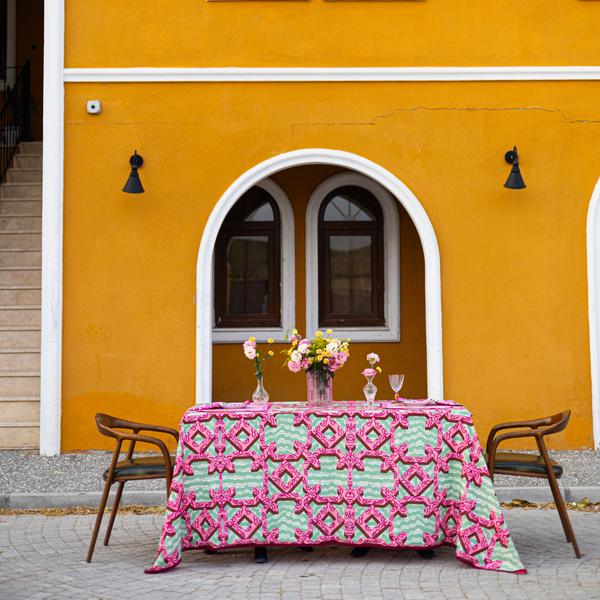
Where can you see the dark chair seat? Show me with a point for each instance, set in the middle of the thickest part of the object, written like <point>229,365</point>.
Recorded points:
<point>140,467</point>
<point>524,463</point>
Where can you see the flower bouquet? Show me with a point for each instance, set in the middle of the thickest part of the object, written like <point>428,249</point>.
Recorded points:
<point>370,389</point>
<point>252,352</point>
<point>320,357</point>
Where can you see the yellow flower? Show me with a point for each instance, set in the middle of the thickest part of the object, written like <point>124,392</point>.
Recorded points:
<point>295,343</point>
<point>270,340</point>
<point>326,361</point>
<point>378,369</point>
<point>295,332</point>
<point>329,331</point>
<point>320,357</point>
<point>319,351</point>
<point>289,352</point>
<point>271,352</point>
<point>319,333</point>
<point>252,339</point>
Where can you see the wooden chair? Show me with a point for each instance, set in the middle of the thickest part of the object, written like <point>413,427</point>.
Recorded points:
<point>532,465</point>
<point>130,468</point>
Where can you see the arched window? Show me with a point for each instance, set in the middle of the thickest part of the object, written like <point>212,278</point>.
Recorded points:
<point>248,264</point>
<point>351,259</point>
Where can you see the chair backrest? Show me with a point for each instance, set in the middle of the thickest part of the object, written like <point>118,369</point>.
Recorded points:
<point>107,425</point>
<point>555,423</point>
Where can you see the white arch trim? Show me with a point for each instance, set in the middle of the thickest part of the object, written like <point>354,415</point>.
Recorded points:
<point>391,240</point>
<point>593,266</point>
<point>288,278</point>
<point>433,295</point>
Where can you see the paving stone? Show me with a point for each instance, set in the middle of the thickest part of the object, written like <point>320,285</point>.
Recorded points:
<point>44,557</point>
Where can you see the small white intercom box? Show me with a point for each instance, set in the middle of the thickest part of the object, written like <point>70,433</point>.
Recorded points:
<point>93,107</point>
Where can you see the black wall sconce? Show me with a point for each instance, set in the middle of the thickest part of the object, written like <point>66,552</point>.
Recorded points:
<point>515,180</point>
<point>134,185</point>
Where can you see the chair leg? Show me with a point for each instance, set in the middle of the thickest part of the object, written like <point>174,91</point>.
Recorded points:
<point>114,512</point>
<point>99,519</point>
<point>564,516</point>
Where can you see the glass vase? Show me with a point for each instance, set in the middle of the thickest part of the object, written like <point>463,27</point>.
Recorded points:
<point>260,396</point>
<point>319,390</point>
<point>370,390</point>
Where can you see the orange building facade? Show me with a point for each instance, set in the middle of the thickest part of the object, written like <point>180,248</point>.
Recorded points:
<point>489,294</point>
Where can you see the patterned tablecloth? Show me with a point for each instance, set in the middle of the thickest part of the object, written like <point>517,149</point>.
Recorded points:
<point>392,476</point>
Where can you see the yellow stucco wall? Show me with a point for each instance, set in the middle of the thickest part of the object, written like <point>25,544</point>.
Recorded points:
<point>514,287</point>
<point>193,33</point>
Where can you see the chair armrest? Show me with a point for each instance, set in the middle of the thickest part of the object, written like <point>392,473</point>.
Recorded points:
<point>491,449</point>
<point>161,429</point>
<point>136,437</point>
<point>513,425</point>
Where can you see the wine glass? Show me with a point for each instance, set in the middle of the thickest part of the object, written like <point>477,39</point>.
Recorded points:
<point>396,382</point>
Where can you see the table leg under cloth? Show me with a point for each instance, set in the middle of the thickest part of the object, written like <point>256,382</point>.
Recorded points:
<point>390,476</point>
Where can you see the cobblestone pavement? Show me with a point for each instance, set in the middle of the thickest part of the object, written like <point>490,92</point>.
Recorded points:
<point>44,557</point>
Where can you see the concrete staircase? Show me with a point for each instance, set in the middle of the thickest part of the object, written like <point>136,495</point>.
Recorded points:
<point>20,299</point>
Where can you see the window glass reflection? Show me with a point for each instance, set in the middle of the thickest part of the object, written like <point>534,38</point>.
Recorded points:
<point>248,275</point>
<point>343,207</point>
<point>350,273</point>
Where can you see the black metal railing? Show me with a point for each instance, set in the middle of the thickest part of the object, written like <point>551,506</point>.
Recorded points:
<point>14,118</point>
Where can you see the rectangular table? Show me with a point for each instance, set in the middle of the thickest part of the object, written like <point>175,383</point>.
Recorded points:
<point>391,476</point>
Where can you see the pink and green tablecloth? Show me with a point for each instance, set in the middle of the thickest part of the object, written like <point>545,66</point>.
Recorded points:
<point>392,476</point>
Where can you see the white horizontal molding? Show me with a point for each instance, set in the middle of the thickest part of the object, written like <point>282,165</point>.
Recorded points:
<point>260,74</point>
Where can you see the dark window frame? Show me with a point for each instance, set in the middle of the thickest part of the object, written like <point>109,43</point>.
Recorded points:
<point>374,229</point>
<point>229,229</point>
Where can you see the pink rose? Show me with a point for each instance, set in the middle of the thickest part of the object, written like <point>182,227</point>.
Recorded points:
<point>294,367</point>
<point>369,372</point>
<point>249,344</point>
<point>304,364</point>
<point>341,357</point>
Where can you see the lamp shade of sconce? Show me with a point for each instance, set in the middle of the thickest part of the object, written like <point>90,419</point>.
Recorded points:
<point>515,179</point>
<point>134,185</point>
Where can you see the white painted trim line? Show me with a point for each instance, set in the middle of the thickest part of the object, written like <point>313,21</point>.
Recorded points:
<point>593,272</point>
<point>204,282</point>
<point>263,74</point>
<point>288,278</point>
<point>391,241</point>
<point>52,228</point>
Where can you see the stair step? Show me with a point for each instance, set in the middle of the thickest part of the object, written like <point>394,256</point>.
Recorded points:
<point>28,161</point>
<point>21,190</point>
<point>17,257</point>
<point>23,315</point>
<point>24,240</point>
<point>20,278</point>
<point>21,207</point>
<point>19,223</point>
<point>31,148</point>
<point>11,295</point>
<point>20,336</point>
<point>19,382</point>
<point>11,358</point>
<point>19,398</point>
<point>24,176</point>
<point>19,373</point>
<point>19,434</point>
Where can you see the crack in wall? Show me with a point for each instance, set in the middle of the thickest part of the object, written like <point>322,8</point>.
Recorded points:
<point>374,120</point>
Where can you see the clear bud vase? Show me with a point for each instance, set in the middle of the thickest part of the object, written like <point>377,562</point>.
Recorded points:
<point>370,390</point>
<point>260,396</point>
<point>319,391</point>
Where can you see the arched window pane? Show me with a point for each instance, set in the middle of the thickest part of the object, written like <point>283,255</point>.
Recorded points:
<point>351,280</point>
<point>344,207</point>
<point>248,275</point>
<point>252,207</point>
<point>248,264</point>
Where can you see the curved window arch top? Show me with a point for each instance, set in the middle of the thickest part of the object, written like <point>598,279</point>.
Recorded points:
<point>248,264</point>
<point>353,259</point>
<point>351,273</point>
